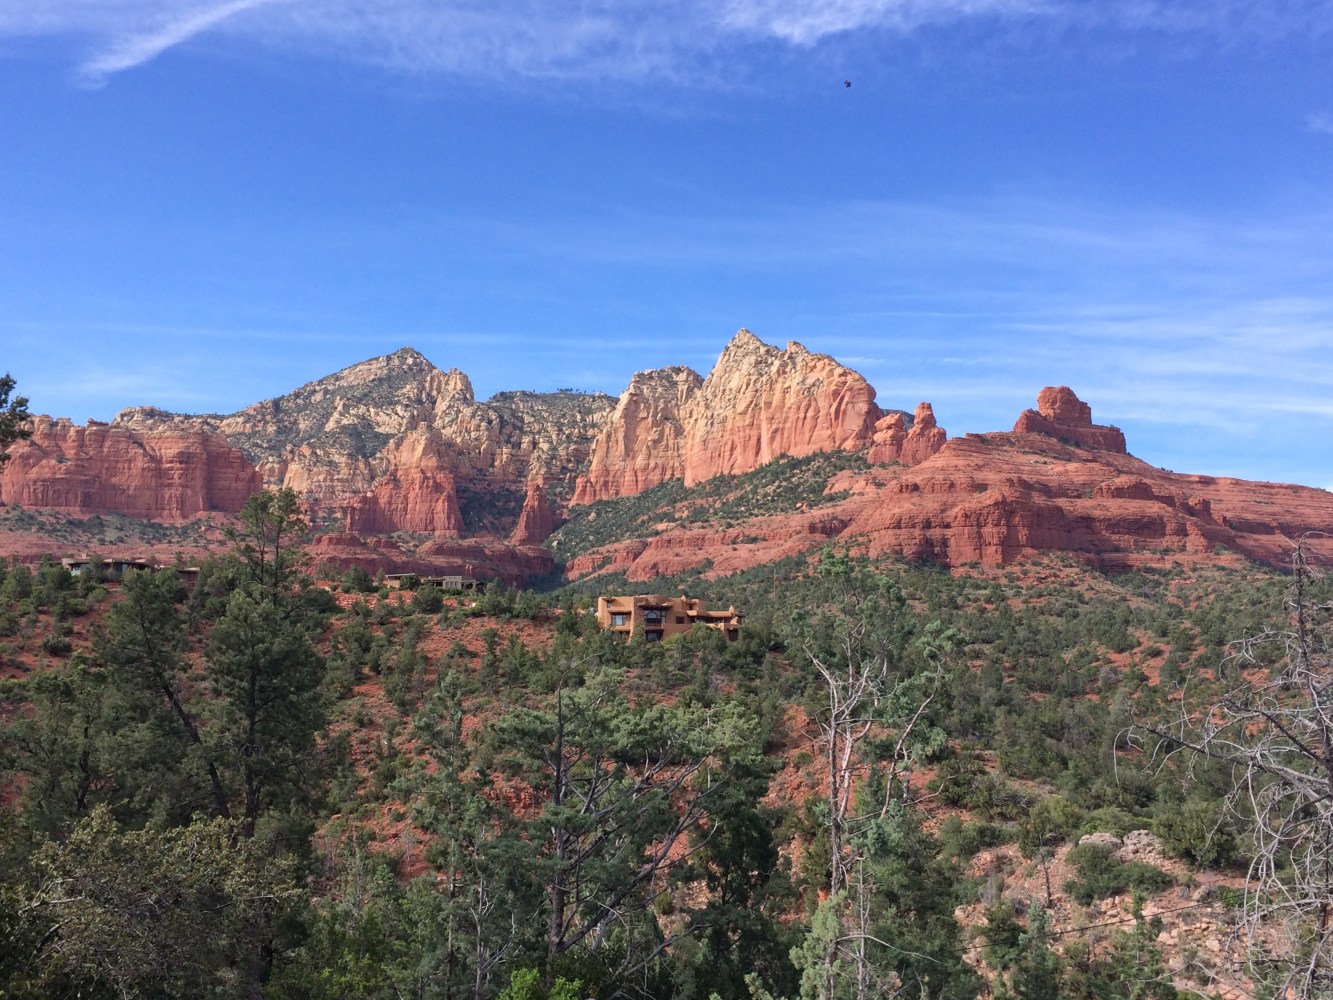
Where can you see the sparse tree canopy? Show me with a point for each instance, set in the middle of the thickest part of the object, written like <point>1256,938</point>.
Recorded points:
<point>1273,733</point>
<point>13,417</point>
<point>269,537</point>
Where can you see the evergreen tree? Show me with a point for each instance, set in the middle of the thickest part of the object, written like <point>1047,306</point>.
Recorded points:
<point>266,675</point>
<point>13,417</point>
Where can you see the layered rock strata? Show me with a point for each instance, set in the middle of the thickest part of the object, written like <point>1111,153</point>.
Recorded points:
<point>1061,414</point>
<point>173,473</point>
<point>758,403</point>
<point>1057,483</point>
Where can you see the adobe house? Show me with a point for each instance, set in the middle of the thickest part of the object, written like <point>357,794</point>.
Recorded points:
<point>660,617</point>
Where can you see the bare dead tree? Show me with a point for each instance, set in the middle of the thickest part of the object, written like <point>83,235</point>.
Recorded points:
<point>865,701</point>
<point>1274,731</point>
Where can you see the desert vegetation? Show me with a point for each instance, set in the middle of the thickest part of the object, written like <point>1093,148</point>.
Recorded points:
<point>268,785</point>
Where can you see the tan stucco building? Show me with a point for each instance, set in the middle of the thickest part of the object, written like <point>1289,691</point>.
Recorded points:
<point>660,617</point>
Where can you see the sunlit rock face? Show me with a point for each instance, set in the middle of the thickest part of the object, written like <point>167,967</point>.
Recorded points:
<point>759,402</point>
<point>1061,414</point>
<point>174,472</point>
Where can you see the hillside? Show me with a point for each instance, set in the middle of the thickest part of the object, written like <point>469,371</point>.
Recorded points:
<point>428,780</point>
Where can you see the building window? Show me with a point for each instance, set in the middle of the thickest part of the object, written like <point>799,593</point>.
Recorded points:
<point>619,618</point>
<point>680,619</point>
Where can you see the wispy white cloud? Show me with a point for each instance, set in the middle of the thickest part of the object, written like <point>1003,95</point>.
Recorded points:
<point>606,39</point>
<point>807,23</point>
<point>1319,121</point>
<point>137,48</point>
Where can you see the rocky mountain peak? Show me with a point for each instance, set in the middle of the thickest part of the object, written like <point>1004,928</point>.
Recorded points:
<point>760,402</point>
<point>1058,403</point>
<point>1061,414</point>
<point>404,364</point>
<point>455,383</point>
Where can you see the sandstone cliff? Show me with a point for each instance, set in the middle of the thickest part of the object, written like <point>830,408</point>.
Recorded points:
<point>1057,483</point>
<point>173,472</point>
<point>537,520</point>
<point>396,445</point>
<point>418,493</point>
<point>643,443</point>
<point>351,443</point>
<point>758,402</point>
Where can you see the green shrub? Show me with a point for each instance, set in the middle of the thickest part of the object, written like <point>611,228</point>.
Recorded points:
<point>357,581</point>
<point>1110,819</point>
<point>1101,875</point>
<point>428,599</point>
<point>960,840</point>
<point>1050,822</point>
<point>57,645</point>
<point>1196,831</point>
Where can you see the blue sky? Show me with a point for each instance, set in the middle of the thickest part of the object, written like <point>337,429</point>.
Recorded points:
<point>205,204</point>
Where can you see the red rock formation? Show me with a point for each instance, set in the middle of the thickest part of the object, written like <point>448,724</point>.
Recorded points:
<point>537,520</point>
<point>890,434</point>
<point>418,494</point>
<point>1061,414</point>
<point>391,444</point>
<point>474,558</point>
<point>643,443</point>
<point>759,402</point>
<point>173,473</point>
<point>925,438</point>
<point>995,498</point>
<point>893,442</point>
<point>419,500</point>
<point>330,440</point>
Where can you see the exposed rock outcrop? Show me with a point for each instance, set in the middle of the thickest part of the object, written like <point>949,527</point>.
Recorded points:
<point>418,493</point>
<point>759,403</point>
<point>1061,414</point>
<point>345,442</point>
<point>474,558</point>
<point>894,442</point>
<point>643,443</point>
<point>993,498</point>
<point>537,520</point>
<point>396,445</point>
<point>174,472</point>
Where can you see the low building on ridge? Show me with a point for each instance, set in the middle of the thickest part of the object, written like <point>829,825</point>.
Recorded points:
<point>660,617</point>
